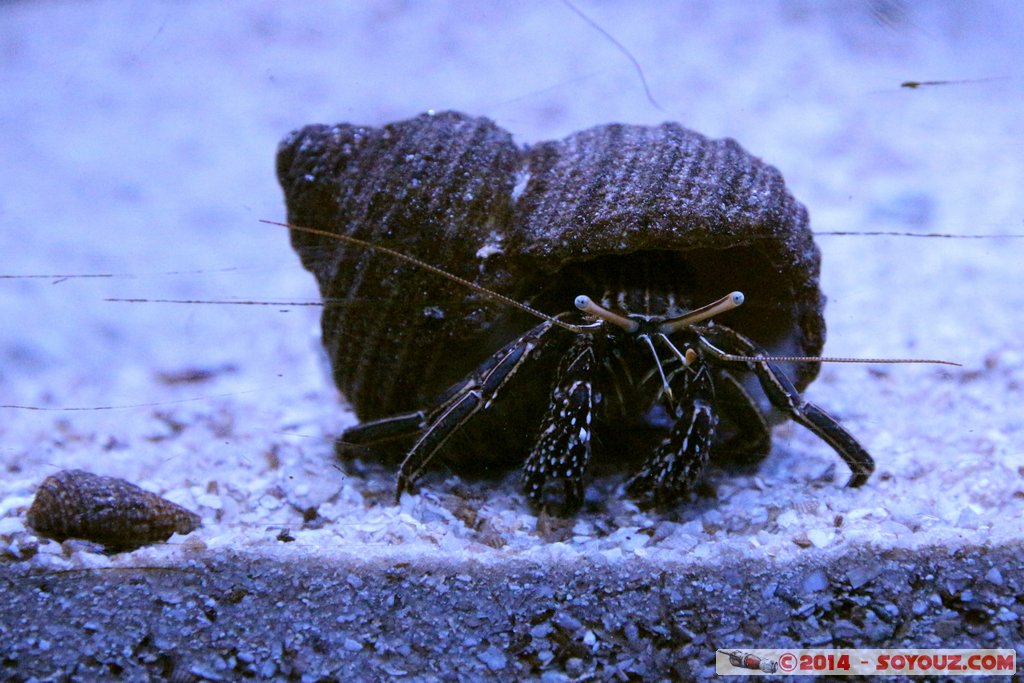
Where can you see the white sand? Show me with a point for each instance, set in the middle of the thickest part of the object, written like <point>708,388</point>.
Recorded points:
<point>139,141</point>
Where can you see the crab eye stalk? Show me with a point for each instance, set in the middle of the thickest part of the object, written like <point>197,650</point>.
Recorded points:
<point>726,303</point>
<point>587,305</point>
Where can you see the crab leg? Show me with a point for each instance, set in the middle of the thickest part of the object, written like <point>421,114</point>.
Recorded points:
<point>380,431</point>
<point>562,449</point>
<point>677,463</point>
<point>752,437</point>
<point>405,425</point>
<point>465,400</point>
<point>784,396</point>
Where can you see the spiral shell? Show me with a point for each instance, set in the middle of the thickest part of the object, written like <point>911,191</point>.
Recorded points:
<point>106,510</point>
<point>531,223</point>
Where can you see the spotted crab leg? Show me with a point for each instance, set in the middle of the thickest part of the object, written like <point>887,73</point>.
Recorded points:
<point>784,396</point>
<point>464,400</point>
<point>562,449</point>
<point>678,462</point>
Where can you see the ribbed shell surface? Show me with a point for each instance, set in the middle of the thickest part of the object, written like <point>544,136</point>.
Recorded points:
<point>457,192</point>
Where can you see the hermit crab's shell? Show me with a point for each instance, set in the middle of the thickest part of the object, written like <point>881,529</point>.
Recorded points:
<point>535,223</point>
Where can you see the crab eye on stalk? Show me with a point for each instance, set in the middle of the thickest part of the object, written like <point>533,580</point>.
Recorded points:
<point>726,303</point>
<point>587,305</point>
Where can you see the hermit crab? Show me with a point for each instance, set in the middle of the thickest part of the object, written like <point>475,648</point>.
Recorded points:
<point>630,244</point>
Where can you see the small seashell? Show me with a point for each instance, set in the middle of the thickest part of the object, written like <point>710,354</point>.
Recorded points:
<point>107,510</point>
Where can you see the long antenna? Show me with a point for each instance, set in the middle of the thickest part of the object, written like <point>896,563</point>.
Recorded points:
<point>724,355</point>
<point>622,48</point>
<point>894,233</point>
<point>830,359</point>
<point>491,294</point>
<point>587,305</point>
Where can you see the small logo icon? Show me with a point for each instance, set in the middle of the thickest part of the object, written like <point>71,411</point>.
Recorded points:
<point>745,660</point>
